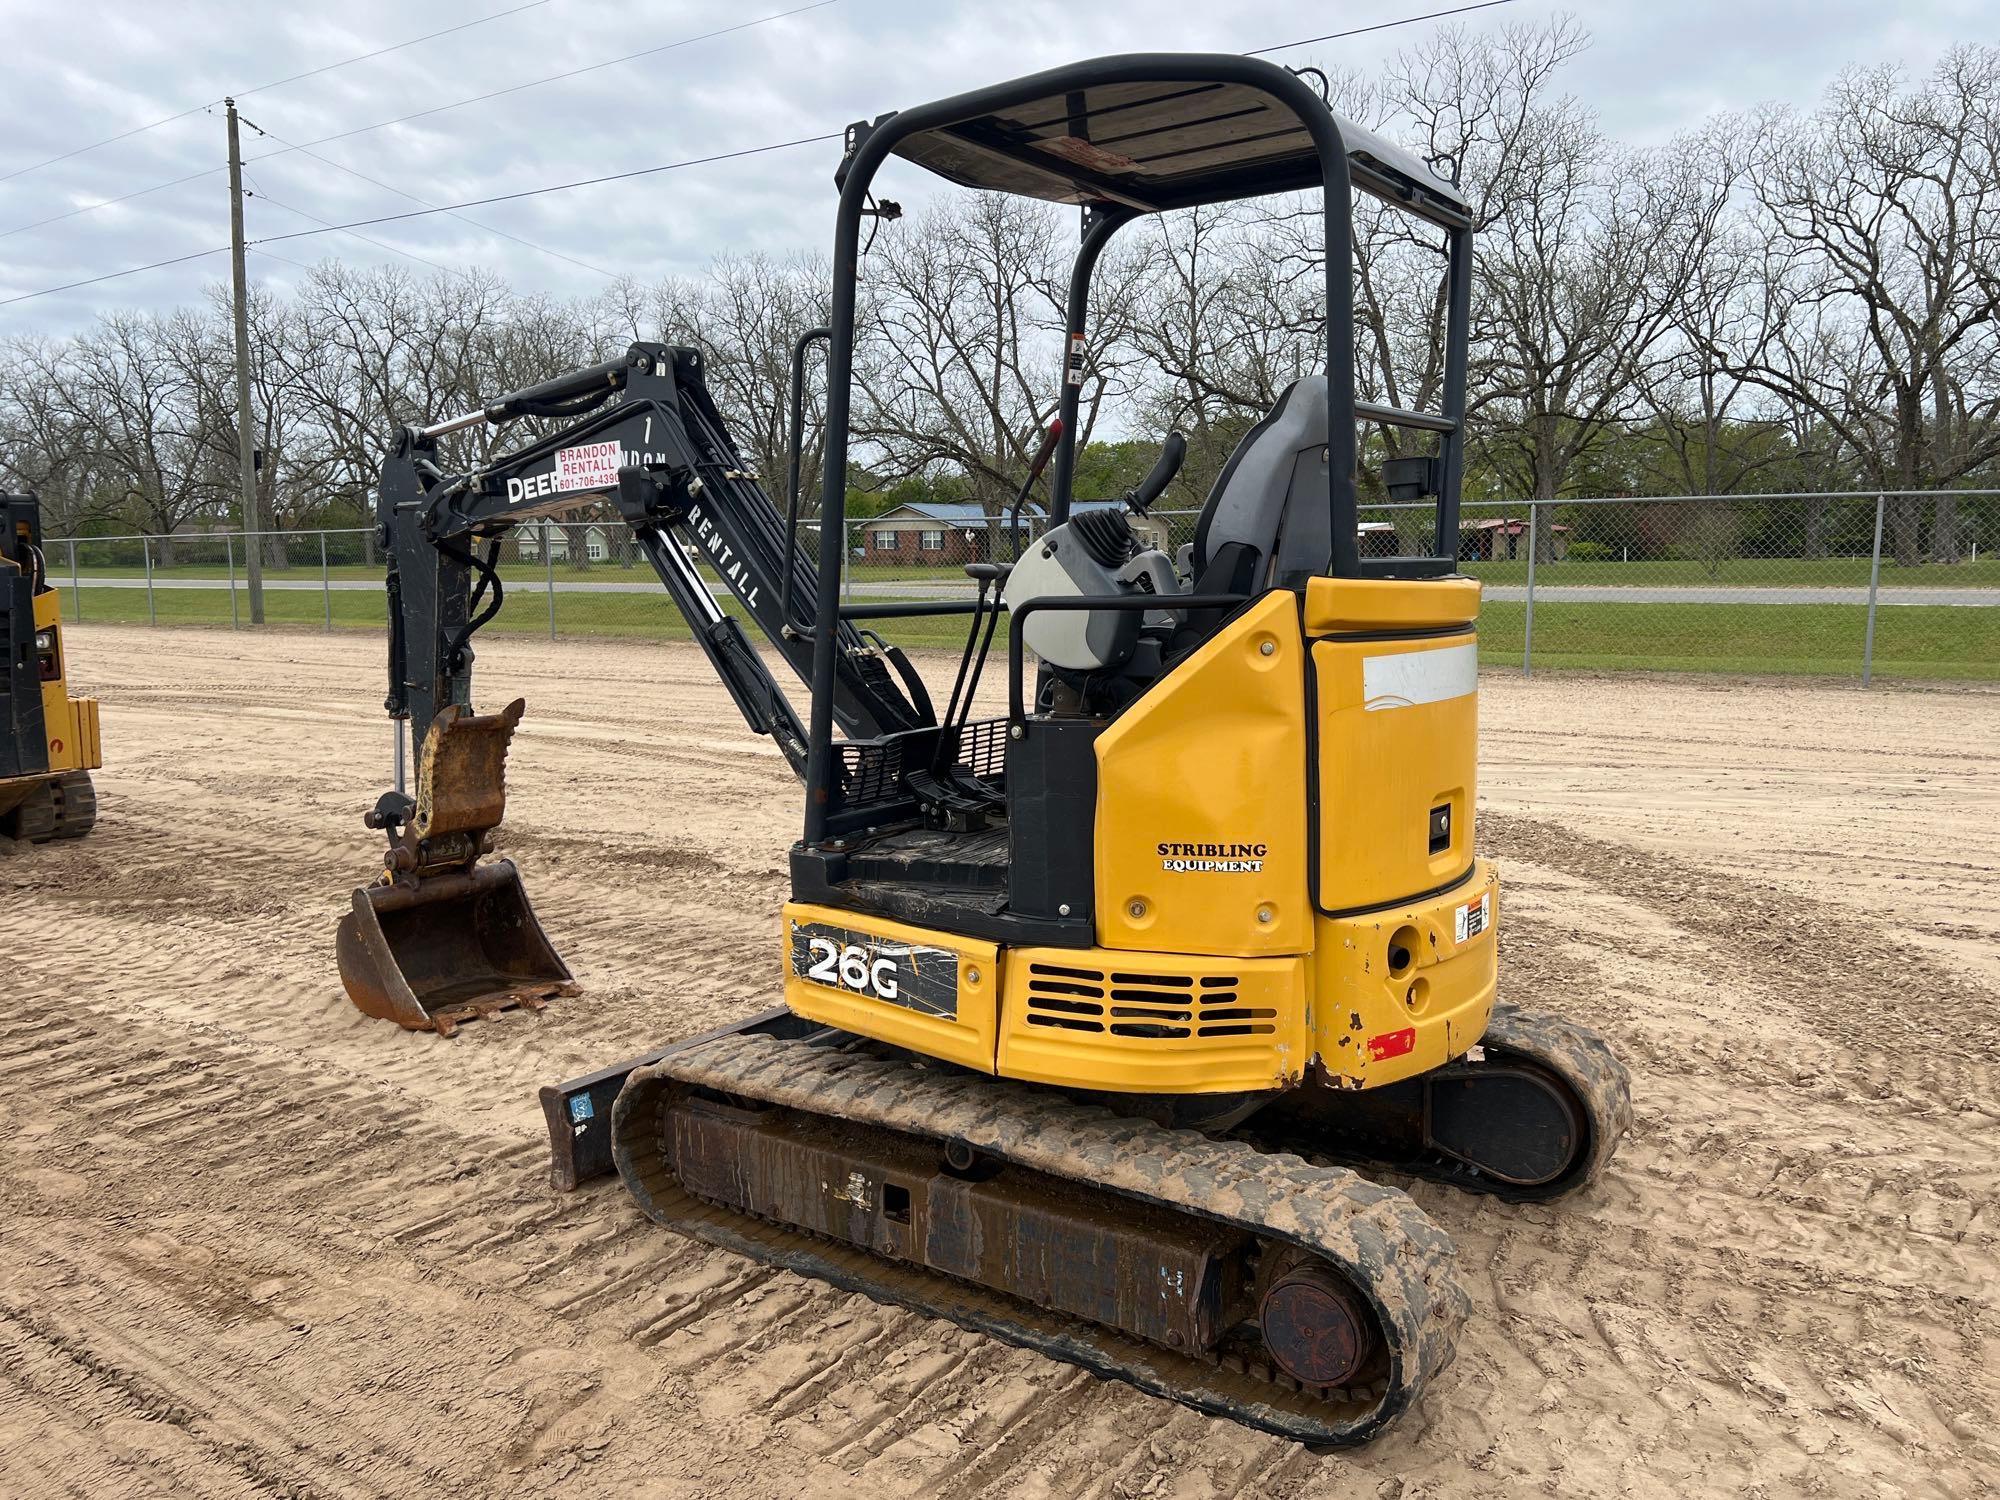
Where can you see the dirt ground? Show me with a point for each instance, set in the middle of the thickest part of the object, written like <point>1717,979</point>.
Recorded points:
<point>251,1243</point>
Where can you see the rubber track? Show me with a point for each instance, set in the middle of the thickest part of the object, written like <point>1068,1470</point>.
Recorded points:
<point>1402,1262</point>
<point>1583,1060</point>
<point>75,806</point>
<point>35,816</point>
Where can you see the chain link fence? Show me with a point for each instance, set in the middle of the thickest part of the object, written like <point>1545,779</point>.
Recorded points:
<point>1854,585</point>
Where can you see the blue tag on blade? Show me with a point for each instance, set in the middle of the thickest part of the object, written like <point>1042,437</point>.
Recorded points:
<point>580,1110</point>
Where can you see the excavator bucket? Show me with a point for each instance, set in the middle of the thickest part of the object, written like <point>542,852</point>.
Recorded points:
<point>456,947</point>
<point>441,938</point>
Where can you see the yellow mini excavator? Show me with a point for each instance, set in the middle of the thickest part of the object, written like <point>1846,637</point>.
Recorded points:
<point>48,740</point>
<point>1093,1008</point>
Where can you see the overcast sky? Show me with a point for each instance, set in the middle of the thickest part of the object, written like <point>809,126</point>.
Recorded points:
<point>75,73</point>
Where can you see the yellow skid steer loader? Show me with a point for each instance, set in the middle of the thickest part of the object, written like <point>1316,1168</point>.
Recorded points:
<point>49,741</point>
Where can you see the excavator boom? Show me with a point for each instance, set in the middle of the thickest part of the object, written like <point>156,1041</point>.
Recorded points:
<point>441,938</point>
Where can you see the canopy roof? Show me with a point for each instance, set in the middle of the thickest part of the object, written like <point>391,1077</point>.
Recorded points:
<point>1160,145</point>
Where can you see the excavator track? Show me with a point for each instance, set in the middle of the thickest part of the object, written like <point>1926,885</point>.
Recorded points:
<point>1585,1064</point>
<point>1536,1112</point>
<point>1195,1268</point>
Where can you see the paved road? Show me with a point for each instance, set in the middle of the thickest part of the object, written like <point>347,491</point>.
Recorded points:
<point>1981,598</point>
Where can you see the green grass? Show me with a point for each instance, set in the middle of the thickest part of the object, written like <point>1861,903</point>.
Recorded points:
<point>532,574</point>
<point>217,570</point>
<point>1911,641</point>
<point>1915,641</point>
<point>1741,572</point>
<point>650,615</point>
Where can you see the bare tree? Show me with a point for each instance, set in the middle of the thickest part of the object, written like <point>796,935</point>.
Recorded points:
<point>1882,212</point>
<point>1577,269</point>
<point>48,443</point>
<point>1229,313</point>
<point>744,316</point>
<point>962,358</point>
<point>151,430</point>
<point>1708,430</point>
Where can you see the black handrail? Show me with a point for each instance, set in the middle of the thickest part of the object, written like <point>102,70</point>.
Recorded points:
<point>796,442</point>
<point>1017,627</point>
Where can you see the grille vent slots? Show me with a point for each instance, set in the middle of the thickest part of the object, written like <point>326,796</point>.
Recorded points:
<point>1145,1007</point>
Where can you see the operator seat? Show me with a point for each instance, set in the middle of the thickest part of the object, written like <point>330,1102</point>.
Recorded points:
<point>1267,521</point>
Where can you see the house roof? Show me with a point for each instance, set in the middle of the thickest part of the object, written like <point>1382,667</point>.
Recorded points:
<point>951,513</point>
<point>1512,523</point>
<point>968,513</point>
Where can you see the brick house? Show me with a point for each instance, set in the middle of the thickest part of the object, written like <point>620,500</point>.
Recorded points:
<point>949,535</point>
<point>938,535</point>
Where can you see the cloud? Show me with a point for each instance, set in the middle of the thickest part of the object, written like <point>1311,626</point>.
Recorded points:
<point>79,73</point>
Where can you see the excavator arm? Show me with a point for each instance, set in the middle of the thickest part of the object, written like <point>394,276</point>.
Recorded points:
<point>441,937</point>
<point>664,456</point>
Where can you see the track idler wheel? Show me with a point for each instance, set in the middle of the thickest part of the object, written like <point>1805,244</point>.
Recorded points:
<point>1513,1120</point>
<point>1316,1325</point>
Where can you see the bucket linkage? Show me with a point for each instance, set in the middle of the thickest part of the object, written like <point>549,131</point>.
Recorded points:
<point>441,938</point>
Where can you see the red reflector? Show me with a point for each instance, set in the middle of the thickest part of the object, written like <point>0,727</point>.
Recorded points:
<point>1392,1043</point>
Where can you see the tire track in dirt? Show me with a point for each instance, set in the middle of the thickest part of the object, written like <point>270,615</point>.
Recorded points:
<point>1770,1293</point>
<point>226,1115</point>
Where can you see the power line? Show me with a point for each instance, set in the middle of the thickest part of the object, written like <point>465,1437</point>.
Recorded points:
<point>1334,36</point>
<point>639,172</point>
<point>262,87</point>
<point>398,47</point>
<point>329,225</point>
<point>109,140</point>
<point>113,275</point>
<point>342,135</point>
<point>535,83</point>
<point>91,208</point>
<point>424,212</point>
<point>389,187</point>
<point>301,265</point>
<point>562,187</point>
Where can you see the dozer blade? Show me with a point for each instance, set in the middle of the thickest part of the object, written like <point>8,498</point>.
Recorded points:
<point>456,946</point>
<point>442,938</point>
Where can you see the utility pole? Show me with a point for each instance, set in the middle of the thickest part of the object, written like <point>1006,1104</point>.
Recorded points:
<point>246,459</point>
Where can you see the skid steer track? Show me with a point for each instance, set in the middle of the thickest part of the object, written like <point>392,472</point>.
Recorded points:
<point>1184,1190</point>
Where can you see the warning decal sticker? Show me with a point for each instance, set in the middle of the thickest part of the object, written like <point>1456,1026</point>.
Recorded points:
<point>1470,920</point>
